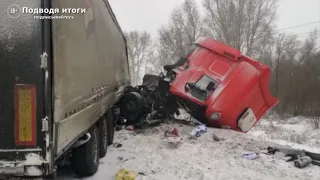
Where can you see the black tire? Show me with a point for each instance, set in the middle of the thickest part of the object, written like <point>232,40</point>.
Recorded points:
<point>130,107</point>
<point>103,137</point>
<point>110,125</point>
<point>85,159</point>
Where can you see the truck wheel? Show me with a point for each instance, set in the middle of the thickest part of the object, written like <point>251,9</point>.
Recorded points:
<point>103,137</point>
<point>110,126</point>
<point>85,159</point>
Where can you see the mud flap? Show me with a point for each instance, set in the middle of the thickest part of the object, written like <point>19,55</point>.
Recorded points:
<point>247,120</point>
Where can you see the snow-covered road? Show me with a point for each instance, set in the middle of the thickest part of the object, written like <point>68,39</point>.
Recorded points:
<point>152,158</point>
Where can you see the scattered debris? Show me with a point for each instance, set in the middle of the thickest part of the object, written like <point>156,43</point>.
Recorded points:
<point>303,162</point>
<point>250,156</point>
<point>117,145</point>
<point>130,128</point>
<point>301,158</point>
<point>198,130</point>
<point>216,138</point>
<point>287,150</point>
<point>122,159</point>
<point>173,133</point>
<point>173,137</point>
<point>124,174</point>
<point>317,163</point>
<point>142,173</point>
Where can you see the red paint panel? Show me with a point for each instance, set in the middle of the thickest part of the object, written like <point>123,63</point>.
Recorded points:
<point>220,68</point>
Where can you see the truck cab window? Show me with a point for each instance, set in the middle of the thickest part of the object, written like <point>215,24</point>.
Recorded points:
<point>202,88</point>
<point>204,81</point>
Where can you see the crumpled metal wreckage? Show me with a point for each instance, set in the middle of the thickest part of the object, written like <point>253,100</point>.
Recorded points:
<point>214,83</point>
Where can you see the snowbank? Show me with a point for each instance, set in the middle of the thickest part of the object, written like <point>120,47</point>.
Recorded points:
<point>196,159</point>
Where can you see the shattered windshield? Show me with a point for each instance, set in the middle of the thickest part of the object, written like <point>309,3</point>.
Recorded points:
<point>200,88</point>
<point>204,82</point>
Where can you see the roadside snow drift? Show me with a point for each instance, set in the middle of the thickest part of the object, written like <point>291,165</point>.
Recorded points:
<point>152,158</point>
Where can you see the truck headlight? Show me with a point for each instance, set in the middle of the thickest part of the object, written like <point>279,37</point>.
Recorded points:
<point>215,116</point>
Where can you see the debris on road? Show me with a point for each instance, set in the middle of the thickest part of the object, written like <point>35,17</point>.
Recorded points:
<point>130,128</point>
<point>198,130</point>
<point>142,173</point>
<point>155,155</point>
<point>216,138</point>
<point>300,157</point>
<point>303,162</point>
<point>250,156</point>
<point>317,163</point>
<point>122,159</point>
<point>124,174</point>
<point>117,145</point>
<point>173,137</point>
<point>173,133</point>
<point>286,150</point>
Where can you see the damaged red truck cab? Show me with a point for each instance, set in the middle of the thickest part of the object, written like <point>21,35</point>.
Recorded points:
<point>232,88</point>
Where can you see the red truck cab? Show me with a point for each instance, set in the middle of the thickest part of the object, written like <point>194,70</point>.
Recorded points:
<point>232,89</point>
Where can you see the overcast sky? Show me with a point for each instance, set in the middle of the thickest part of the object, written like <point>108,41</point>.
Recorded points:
<point>149,15</point>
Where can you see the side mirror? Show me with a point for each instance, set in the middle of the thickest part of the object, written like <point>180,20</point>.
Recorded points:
<point>211,86</point>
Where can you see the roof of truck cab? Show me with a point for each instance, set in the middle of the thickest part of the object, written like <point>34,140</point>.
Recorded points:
<point>220,48</point>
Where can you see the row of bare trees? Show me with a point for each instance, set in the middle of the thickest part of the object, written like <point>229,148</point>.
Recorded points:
<point>296,74</point>
<point>247,25</point>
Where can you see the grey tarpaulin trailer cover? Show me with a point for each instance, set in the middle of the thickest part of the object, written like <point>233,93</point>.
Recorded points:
<point>59,80</point>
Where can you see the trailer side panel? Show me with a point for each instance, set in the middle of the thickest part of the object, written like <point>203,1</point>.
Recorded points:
<point>90,64</point>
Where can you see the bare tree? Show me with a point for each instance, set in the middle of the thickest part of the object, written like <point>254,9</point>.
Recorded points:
<point>284,44</point>
<point>244,24</point>
<point>249,25</point>
<point>309,47</point>
<point>296,74</point>
<point>184,28</point>
<point>140,49</point>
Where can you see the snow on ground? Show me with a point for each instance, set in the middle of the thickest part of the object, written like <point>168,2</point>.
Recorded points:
<point>152,158</point>
<point>294,131</point>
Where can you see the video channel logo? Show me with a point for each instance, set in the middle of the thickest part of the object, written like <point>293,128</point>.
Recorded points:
<point>14,11</point>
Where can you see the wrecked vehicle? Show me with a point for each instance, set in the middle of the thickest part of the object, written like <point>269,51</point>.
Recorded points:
<point>215,83</point>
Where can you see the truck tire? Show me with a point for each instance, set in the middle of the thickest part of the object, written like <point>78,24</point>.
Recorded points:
<point>110,125</point>
<point>103,137</point>
<point>85,159</point>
